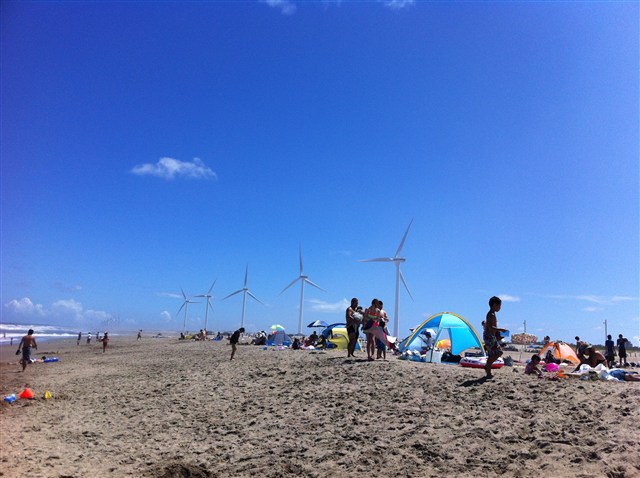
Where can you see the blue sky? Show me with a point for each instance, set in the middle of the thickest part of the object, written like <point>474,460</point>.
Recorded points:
<point>149,146</point>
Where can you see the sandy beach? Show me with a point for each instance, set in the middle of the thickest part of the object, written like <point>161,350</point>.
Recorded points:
<point>165,408</point>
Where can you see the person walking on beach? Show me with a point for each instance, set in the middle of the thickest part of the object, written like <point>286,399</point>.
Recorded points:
<point>491,333</point>
<point>27,343</point>
<point>139,335</point>
<point>371,319</point>
<point>234,339</point>
<point>610,351</point>
<point>581,346</point>
<point>622,350</point>
<point>353,326</point>
<point>89,338</point>
<point>105,342</point>
<point>79,337</point>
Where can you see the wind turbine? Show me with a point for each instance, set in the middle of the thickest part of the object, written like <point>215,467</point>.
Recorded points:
<point>185,305</point>
<point>245,291</point>
<point>302,278</point>
<point>208,306</point>
<point>397,260</point>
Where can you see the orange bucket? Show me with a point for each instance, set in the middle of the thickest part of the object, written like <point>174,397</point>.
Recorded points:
<point>26,393</point>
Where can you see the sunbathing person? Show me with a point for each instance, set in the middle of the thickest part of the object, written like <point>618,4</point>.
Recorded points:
<point>624,375</point>
<point>593,357</point>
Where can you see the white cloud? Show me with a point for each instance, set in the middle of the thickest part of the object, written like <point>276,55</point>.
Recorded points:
<point>285,6</point>
<point>169,168</point>
<point>594,299</point>
<point>509,298</point>
<point>172,295</point>
<point>24,308</point>
<point>398,4</point>
<point>622,298</point>
<point>166,316</point>
<point>62,311</point>
<point>67,307</point>
<point>66,288</point>
<point>593,309</point>
<point>322,306</point>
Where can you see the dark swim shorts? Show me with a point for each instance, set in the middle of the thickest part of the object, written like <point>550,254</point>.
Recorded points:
<point>491,345</point>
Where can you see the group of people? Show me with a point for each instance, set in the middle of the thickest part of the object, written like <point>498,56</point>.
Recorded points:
<point>104,339</point>
<point>587,353</point>
<point>28,343</point>
<point>372,319</point>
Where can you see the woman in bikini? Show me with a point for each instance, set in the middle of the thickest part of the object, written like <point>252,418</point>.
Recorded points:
<point>371,319</point>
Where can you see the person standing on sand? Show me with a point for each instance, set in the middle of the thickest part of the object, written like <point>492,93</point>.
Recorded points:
<point>26,344</point>
<point>89,338</point>
<point>610,352</point>
<point>490,334</point>
<point>380,345</point>
<point>105,341</point>
<point>79,337</point>
<point>371,319</point>
<point>622,350</point>
<point>234,339</point>
<point>139,335</point>
<point>353,326</point>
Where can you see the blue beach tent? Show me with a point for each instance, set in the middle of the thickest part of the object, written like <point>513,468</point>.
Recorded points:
<point>444,325</point>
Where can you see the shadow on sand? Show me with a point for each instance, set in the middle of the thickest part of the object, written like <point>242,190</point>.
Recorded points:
<point>473,383</point>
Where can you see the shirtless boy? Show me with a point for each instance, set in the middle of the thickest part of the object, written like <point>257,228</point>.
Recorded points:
<point>26,344</point>
<point>490,334</point>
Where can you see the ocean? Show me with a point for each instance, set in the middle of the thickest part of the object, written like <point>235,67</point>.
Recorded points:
<point>43,333</point>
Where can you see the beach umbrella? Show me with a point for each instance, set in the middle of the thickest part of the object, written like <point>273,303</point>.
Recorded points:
<point>524,339</point>
<point>277,327</point>
<point>318,323</point>
<point>444,344</point>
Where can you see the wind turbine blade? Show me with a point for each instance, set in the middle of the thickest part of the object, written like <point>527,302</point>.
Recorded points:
<point>209,305</point>
<point>233,293</point>
<point>405,285</point>
<point>254,297</point>
<point>403,239</point>
<point>294,281</point>
<point>183,294</point>
<point>246,275</point>
<point>201,295</point>
<point>181,307</point>
<point>314,285</point>
<point>211,288</point>
<point>300,249</point>
<point>379,259</point>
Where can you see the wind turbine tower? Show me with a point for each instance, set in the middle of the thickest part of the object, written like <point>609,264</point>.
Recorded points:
<point>245,291</point>
<point>303,279</point>
<point>397,260</point>
<point>208,306</point>
<point>185,306</point>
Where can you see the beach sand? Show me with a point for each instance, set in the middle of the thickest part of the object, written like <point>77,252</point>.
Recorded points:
<point>165,408</point>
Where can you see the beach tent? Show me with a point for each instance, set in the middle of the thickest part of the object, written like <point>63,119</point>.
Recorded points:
<point>561,351</point>
<point>337,337</point>
<point>443,325</point>
<point>280,337</point>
